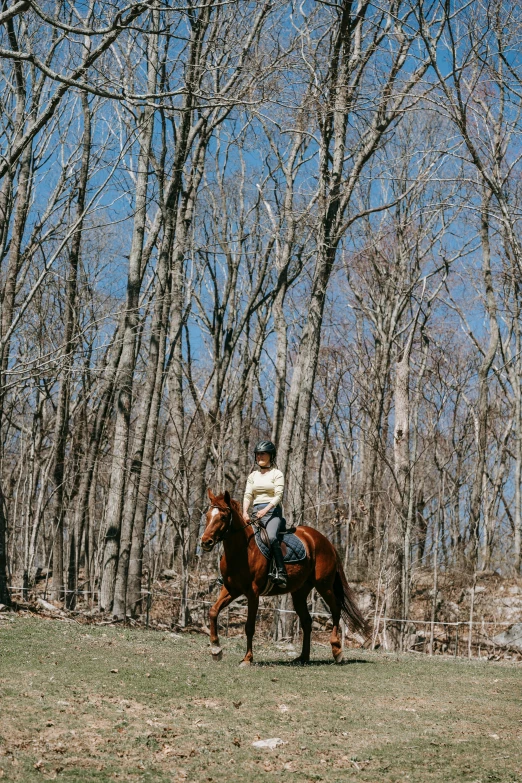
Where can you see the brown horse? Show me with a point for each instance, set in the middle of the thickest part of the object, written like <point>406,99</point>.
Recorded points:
<point>245,572</point>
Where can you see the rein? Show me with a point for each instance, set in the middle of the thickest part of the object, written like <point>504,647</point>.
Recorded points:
<point>230,530</point>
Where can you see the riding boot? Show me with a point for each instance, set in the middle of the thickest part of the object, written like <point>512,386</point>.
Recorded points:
<point>280,577</point>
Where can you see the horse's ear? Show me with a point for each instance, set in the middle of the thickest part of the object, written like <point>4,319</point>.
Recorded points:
<point>227,497</point>
<point>210,495</point>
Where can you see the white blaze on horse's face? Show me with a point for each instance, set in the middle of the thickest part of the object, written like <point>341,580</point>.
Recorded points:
<point>215,525</point>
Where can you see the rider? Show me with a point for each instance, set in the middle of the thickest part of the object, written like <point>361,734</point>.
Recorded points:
<point>264,488</point>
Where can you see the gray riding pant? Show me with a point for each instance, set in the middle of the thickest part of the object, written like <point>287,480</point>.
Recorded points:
<point>272,522</point>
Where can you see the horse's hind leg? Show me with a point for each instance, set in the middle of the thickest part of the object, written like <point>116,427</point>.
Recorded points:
<point>329,596</point>
<point>224,600</point>
<point>300,606</point>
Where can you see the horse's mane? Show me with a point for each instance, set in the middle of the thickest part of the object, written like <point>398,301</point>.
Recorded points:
<point>236,505</point>
<point>221,502</point>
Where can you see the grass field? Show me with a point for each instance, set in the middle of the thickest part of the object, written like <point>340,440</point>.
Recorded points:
<point>86,703</point>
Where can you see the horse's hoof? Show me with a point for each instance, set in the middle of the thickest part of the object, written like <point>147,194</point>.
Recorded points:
<point>339,657</point>
<point>245,663</point>
<point>217,653</point>
<point>299,662</point>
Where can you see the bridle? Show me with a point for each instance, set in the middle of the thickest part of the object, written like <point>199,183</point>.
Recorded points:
<point>229,531</point>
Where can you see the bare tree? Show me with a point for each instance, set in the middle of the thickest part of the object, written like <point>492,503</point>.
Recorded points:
<point>344,60</point>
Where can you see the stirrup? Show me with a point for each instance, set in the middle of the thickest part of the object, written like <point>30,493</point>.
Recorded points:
<point>280,579</point>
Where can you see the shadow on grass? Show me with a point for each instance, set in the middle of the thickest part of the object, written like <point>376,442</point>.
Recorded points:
<point>298,665</point>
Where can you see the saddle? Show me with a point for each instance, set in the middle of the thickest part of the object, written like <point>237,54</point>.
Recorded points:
<point>292,547</point>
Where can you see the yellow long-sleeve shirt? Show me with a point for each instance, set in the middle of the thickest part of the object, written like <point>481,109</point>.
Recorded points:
<point>264,487</point>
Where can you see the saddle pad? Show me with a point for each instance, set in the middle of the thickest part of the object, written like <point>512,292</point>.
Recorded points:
<point>291,546</point>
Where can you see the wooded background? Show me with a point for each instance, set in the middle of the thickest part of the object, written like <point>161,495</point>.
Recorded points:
<point>227,220</point>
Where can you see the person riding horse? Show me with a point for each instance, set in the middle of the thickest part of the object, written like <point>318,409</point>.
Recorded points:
<point>264,490</point>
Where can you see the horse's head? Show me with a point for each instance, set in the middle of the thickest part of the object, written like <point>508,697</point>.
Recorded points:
<point>219,519</point>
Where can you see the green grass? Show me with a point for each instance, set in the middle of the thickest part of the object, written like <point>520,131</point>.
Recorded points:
<point>168,713</point>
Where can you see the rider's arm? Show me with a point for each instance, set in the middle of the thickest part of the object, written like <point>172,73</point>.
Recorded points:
<point>249,494</point>
<point>279,488</point>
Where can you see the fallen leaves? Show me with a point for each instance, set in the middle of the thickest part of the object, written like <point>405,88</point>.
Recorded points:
<point>168,750</point>
<point>209,704</point>
<point>355,762</point>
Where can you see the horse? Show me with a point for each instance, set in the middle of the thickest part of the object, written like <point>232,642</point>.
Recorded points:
<point>245,571</point>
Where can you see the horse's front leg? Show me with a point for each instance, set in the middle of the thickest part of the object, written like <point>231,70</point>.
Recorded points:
<point>250,627</point>
<point>224,600</point>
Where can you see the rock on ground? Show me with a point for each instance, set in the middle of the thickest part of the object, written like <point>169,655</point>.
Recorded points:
<point>510,638</point>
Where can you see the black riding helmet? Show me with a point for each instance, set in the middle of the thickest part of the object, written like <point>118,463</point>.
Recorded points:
<point>265,447</point>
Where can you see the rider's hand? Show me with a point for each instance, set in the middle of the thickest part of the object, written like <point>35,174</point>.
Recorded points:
<point>246,518</point>
<point>261,513</point>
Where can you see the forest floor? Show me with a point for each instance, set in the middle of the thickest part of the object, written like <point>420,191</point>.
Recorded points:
<point>94,703</point>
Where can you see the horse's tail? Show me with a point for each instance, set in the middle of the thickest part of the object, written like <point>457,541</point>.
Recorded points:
<point>350,612</point>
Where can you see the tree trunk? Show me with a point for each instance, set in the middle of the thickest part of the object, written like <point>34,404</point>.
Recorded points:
<point>374,445</point>
<point>154,376</point>
<point>514,368</point>
<point>399,515</point>
<point>482,403</point>
<point>9,291</point>
<point>127,362</point>
<point>280,363</point>
<point>5,597</point>
<point>62,410</point>
<point>412,491</point>
<point>178,223</point>
<point>518,464</point>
